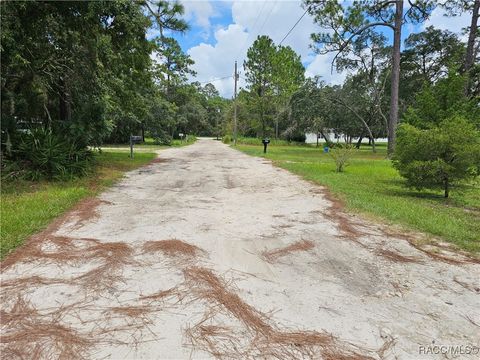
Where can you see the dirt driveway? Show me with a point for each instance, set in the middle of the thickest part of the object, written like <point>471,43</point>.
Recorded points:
<point>208,252</point>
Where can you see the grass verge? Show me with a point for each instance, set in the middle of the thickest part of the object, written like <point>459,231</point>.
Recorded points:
<point>371,186</point>
<point>28,207</point>
<point>149,145</point>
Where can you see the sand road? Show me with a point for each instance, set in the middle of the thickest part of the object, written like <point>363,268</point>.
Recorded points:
<point>208,252</point>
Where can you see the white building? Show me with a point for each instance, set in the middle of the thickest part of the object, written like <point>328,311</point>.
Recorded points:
<point>311,138</point>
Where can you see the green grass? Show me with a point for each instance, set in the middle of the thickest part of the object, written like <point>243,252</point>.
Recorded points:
<point>257,141</point>
<point>371,186</point>
<point>148,145</point>
<point>28,207</point>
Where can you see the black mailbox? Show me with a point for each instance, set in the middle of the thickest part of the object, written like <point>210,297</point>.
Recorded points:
<point>136,139</point>
<point>265,143</point>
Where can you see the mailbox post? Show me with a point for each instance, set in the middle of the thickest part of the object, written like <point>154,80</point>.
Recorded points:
<point>265,143</point>
<point>134,140</point>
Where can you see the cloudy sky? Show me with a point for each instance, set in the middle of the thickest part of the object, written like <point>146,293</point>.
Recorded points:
<point>222,31</point>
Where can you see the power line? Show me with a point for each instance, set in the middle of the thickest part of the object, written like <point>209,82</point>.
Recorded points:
<point>250,32</point>
<point>293,27</point>
<point>266,17</point>
<point>215,79</point>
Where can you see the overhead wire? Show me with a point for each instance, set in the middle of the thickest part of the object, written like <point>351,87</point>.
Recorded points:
<point>259,31</point>
<point>248,35</point>
<point>266,17</point>
<point>293,27</point>
<point>254,27</point>
<point>214,79</point>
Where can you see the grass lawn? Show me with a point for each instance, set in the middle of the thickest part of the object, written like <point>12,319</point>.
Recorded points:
<point>28,207</point>
<point>148,145</point>
<point>370,185</point>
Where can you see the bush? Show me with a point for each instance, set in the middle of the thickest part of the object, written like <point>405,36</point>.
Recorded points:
<point>438,157</point>
<point>341,155</point>
<point>296,137</point>
<point>162,138</point>
<point>227,139</point>
<point>44,154</point>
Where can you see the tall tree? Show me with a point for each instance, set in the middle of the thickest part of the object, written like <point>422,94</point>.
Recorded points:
<point>166,15</point>
<point>427,58</point>
<point>64,63</point>
<point>288,76</point>
<point>273,74</point>
<point>455,8</point>
<point>472,36</point>
<point>310,109</point>
<point>259,73</point>
<point>173,66</point>
<point>345,22</point>
<point>431,52</point>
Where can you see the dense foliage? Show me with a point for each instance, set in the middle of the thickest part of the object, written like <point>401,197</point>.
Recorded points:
<point>78,73</point>
<point>440,156</point>
<point>273,74</point>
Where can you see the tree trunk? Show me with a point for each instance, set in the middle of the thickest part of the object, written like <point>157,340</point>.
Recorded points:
<point>359,142</point>
<point>327,139</point>
<point>361,119</point>
<point>65,110</point>
<point>446,187</point>
<point>318,136</point>
<point>470,55</point>
<point>374,149</point>
<point>393,119</point>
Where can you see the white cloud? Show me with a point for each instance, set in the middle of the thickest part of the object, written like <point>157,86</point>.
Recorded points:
<point>275,19</point>
<point>272,18</point>
<point>217,61</point>
<point>453,23</point>
<point>250,19</point>
<point>322,66</point>
<point>199,12</point>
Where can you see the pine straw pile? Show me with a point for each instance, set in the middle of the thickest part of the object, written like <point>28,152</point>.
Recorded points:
<point>87,210</point>
<point>251,335</point>
<point>272,255</point>
<point>335,213</point>
<point>396,257</point>
<point>34,250</point>
<point>108,258</point>
<point>436,251</point>
<point>26,334</point>
<point>163,295</point>
<point>82,212</point>
<point>113,257</point>
<point>133,311</point>
<point>173,248</point>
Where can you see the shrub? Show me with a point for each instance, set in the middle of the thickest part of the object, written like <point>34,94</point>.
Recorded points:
<point>162,138</point>
<point>296,137</point>
<point>440,156</point>
<point>227,139</point>
<point>341,154</point>
<point>42,153</point>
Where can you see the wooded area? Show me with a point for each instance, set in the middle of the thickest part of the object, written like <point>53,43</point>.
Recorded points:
<point>79,74</point>
<point>82,73</point>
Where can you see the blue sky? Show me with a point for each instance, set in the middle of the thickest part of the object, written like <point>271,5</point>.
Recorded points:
<point>222,31</point>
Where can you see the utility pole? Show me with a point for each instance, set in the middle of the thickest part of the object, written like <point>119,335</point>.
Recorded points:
<point>235,107</point>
